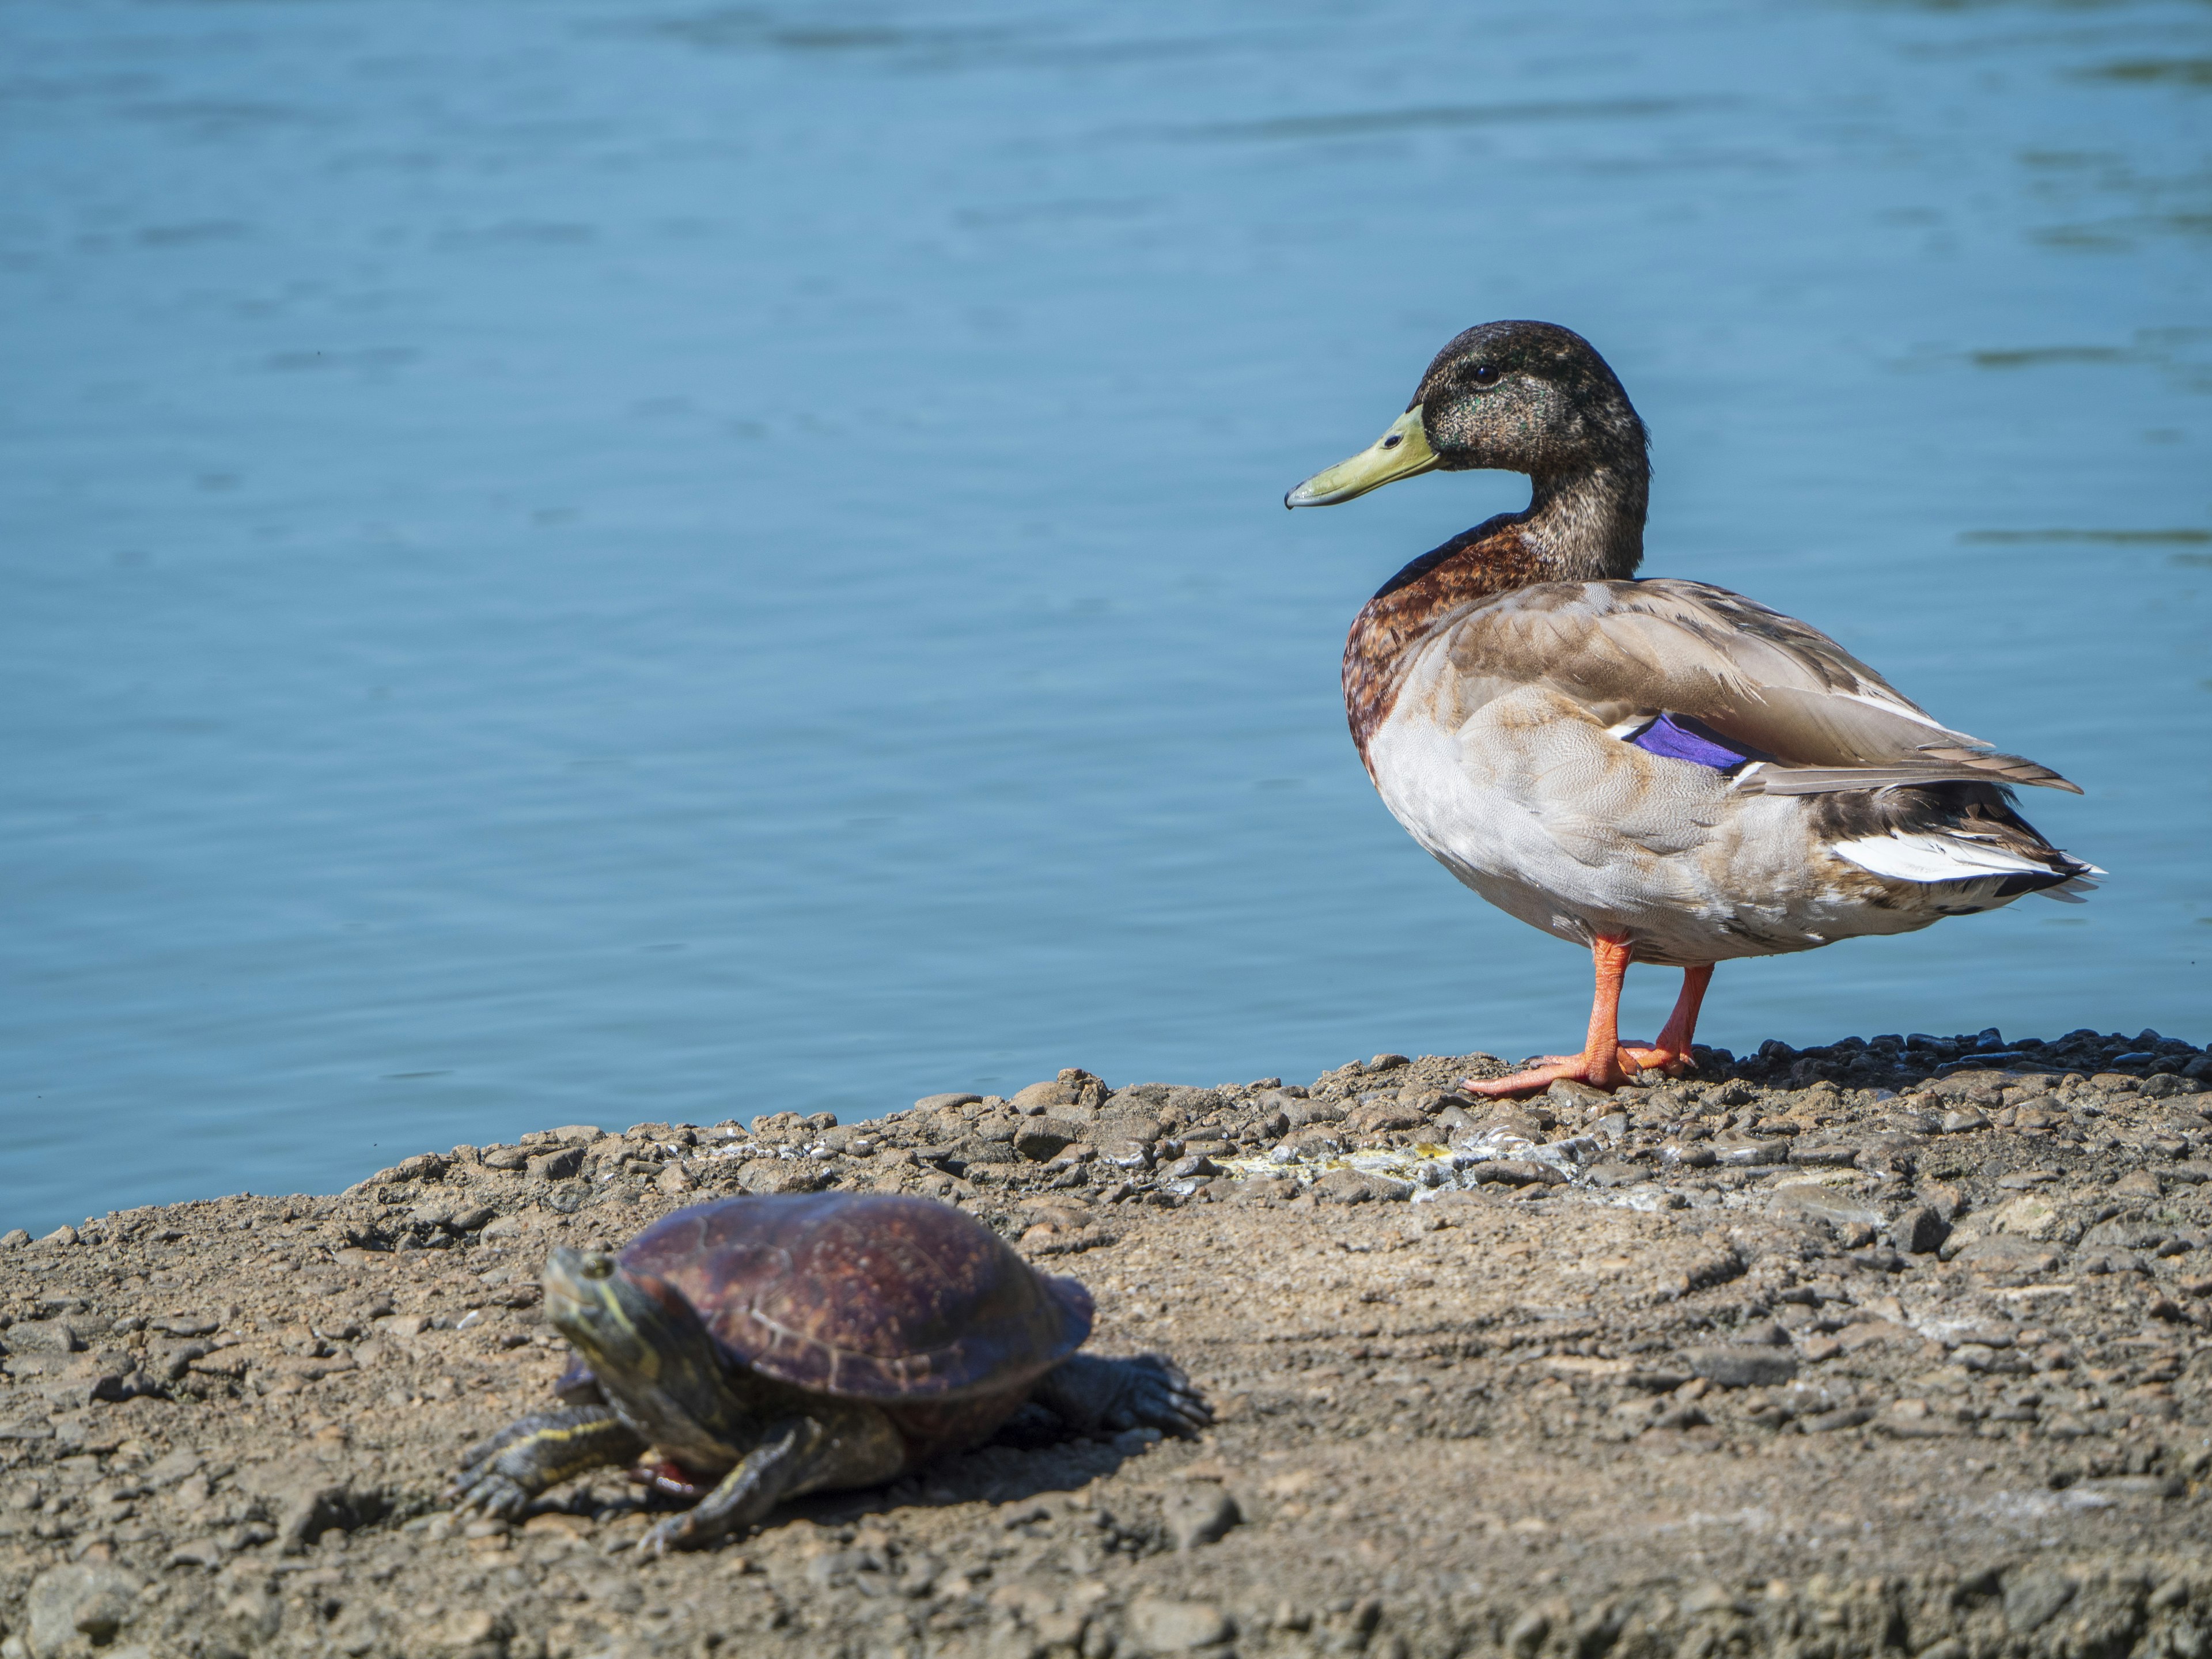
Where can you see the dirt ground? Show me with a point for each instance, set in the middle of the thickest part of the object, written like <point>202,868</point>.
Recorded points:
<point>1885,1347</point>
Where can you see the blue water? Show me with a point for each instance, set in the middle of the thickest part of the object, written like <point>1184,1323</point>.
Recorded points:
<point>589,562</point>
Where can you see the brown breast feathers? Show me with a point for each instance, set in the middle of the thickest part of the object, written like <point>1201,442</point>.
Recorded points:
<point>1493,557</point>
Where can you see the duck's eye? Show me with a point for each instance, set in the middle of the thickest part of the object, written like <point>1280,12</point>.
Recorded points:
<point>1394,440</point>
<point>1485,375</point>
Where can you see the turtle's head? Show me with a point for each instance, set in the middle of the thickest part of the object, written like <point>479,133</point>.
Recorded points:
<point>643,1341</point>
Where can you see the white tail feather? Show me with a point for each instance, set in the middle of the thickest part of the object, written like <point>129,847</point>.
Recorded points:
<point>1936,858</point>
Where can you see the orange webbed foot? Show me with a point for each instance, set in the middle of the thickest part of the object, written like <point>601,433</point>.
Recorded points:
<point>1598,1073</point>
<point>1657,1057</point>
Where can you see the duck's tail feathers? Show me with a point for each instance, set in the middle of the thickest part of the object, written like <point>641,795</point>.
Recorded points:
<point>2018,865</point>
<point>1946,763</point>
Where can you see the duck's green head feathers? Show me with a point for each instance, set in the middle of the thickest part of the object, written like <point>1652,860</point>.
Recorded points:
<point>1521,397</point>
<point>1529,398</point>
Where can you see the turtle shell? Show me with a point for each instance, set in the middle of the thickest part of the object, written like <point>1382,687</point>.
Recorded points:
<point>865,1296</point>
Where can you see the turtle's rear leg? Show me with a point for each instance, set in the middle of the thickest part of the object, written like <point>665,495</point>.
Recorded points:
<point>1149,1391</point>
<point>829,1450</point>
<point>502,1476</point>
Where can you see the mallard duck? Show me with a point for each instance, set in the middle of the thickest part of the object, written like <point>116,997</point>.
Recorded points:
<point>1659,770</point>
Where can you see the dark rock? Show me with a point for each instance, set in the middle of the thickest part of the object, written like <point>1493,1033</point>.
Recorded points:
<point>1918,1230</point>
<point>1735,1367</point>
<point>1514,1172</point>
<point>1043,1140</point>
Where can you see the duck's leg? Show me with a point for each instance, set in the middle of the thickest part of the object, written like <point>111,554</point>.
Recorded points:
<point>1599,1063</point>
<point>1671,1054</point>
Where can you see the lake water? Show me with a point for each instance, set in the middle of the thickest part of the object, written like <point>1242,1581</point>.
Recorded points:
<point>602,562</point>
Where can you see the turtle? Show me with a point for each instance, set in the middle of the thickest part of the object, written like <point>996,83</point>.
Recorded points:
<point>766,1346</point>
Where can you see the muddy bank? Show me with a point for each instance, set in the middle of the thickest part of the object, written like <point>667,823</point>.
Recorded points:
<point>1889,1346</point>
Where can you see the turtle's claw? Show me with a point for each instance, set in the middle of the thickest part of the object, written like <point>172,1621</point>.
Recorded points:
<point>1160,1396</point>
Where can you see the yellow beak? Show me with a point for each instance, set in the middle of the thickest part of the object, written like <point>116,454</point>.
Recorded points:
<point>1399,452</point>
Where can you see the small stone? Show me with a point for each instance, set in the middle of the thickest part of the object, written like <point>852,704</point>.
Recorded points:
<point>14,1239</point>
<point>1964,1121</point>
<point>673,1181</point>
<point>1918,1230</point>
<point>1736,1367</point>
<point>2136,1183</point>
<point>472,1220</point>
<point>1200,1514</point>
<point>2006,1253</point>
<point>79,1608</point>
<point>1846,1417</point>
<point>1198,1166</point>
<point>1618,1175</point>
<point>1352,1186</point>
<point>1515,1172</point>
<point>1043,1140</point>
<point>2032,1597</point>
<point>1578,1097</point>
<point>555,1166</point>
<point>1162,1626</point>
<point>43,1336</point>
<point>1386,1062</point>
<point>62,1235</point>
<point>945,1103</point>
<point>1044,1097</point>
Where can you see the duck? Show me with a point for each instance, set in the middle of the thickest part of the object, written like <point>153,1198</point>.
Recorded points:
<point>1656,769</point>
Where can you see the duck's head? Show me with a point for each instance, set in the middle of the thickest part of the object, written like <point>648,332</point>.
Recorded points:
<point>1514,397</point>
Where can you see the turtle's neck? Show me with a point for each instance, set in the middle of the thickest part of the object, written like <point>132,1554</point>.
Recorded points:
<point>1588,524</point>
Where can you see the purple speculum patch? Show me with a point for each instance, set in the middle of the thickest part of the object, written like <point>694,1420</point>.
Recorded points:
<point>1684,737</point>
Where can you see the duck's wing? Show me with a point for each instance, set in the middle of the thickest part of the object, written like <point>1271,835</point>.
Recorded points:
<point>1802,714</point>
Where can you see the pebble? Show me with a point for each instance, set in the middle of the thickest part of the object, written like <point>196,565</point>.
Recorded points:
<point>946,1102</point>
<point>43,1336</point>
<point>1918,1230</point>
<point>1514,1172</point>
<point>79,1608</point>
<point>1162,1626</point>
<point>1200,1513</point>
<point>1738,1367</point>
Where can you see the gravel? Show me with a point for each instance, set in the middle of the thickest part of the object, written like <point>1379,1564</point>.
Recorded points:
<point>1911,1359</point>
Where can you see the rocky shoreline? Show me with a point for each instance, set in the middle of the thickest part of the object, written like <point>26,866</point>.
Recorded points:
<point>1886,1346</point>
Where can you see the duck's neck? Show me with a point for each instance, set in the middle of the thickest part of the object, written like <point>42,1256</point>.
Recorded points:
<point>1587,525</point>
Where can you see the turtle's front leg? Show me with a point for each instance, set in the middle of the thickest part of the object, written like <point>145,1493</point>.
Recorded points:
<point>502,1476</point>
<point>1149,1392</point>
<point>832,1447</point>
